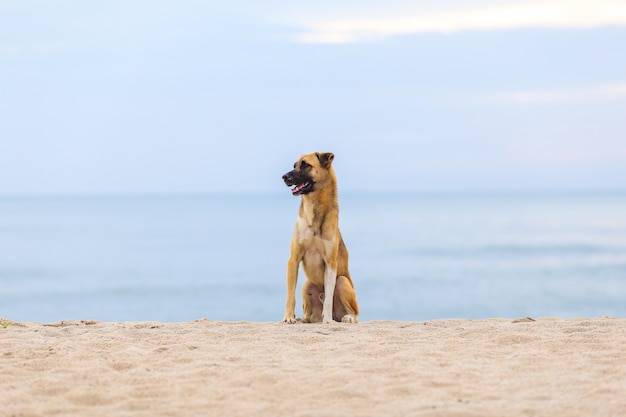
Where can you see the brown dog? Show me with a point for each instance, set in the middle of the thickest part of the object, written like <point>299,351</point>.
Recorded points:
<point>328,293</point>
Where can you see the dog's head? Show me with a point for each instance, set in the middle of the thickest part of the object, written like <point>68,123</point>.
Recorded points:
<point>309,172</point>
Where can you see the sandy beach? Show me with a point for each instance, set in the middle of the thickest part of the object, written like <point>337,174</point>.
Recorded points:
<point>494,367</point>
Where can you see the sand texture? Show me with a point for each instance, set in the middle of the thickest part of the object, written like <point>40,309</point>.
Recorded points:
<point>495,367</point>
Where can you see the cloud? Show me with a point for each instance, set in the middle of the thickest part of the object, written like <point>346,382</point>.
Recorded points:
<point>540,14</point>
<point>607,91</point>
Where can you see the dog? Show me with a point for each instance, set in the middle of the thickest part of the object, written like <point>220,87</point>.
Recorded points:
<point>328,293</point>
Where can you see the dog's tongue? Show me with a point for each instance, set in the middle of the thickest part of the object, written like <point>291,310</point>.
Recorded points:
<point>298,187</point>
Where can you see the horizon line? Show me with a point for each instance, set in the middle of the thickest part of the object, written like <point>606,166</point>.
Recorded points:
<point>394,192</point>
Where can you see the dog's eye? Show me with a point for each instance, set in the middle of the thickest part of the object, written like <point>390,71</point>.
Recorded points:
<point>304,165</point>
<point>294,166</point>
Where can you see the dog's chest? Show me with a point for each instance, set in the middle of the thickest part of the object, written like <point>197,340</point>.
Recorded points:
<point>305,232</point>
<point>311,238</point>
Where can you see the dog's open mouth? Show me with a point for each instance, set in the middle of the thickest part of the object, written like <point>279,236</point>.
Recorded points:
<point>301,188</point>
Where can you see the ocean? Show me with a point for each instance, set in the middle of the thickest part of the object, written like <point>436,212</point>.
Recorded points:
<point>413,257</point>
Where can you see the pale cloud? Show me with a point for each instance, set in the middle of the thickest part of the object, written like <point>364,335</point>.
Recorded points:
<point>539,14</point>
<point>600,92</point>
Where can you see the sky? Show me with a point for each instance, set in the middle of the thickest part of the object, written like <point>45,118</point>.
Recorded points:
<point>127,97</point>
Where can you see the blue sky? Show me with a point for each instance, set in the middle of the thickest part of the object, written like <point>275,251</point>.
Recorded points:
<point>194,96</point>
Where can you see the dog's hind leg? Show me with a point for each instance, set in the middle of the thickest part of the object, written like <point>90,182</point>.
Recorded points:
<point>345,307</point>
<point>312,302</point>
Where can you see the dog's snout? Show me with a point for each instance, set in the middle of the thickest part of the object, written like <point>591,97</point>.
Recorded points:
<point>288,178</point>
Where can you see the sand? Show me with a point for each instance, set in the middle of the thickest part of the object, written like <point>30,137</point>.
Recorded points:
<point>494,367</point>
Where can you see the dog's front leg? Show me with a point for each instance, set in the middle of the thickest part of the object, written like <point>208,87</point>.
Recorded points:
<point>292,280</point>
<point>330,279</point>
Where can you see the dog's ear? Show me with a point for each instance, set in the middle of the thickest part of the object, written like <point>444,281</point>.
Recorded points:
<point>325,159</point>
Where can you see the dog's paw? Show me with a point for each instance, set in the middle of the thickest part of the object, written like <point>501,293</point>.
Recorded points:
<point>348,318</point>
<point>327,320</point>
<point>289,320</point>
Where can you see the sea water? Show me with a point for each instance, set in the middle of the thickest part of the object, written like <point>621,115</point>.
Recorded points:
<point>223,257</point>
